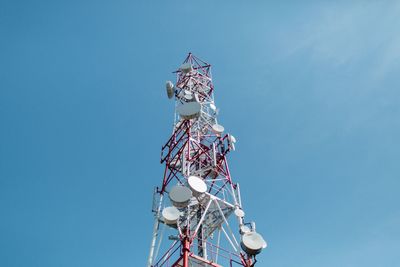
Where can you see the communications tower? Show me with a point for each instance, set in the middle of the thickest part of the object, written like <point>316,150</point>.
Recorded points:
<point>198,214</point>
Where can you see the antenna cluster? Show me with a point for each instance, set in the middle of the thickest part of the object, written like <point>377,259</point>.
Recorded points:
<point>195,201</point>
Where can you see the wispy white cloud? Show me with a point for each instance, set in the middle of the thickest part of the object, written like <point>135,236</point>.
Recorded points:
<point>352,33</point>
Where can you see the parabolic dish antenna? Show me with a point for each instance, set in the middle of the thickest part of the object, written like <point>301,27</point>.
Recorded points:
<point>239,213</point>
<point>189,110</point>
<point>213,107</point>
<point>180,196</point>
<point>186,67</point>
<point>218,129</point>
<point>170,215</point>
<point>197,185</point>
<point>232,138</point>
<point>170,89</point>
<point>232,141</point>
<point>252,243</point>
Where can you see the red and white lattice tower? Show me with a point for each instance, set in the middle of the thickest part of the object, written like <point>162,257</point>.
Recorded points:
<point>199,219</point>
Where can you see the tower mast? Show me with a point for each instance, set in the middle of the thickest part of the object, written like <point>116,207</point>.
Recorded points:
<point>198,206</point>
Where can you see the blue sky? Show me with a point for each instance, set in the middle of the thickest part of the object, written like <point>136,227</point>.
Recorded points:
<point>310,90</point>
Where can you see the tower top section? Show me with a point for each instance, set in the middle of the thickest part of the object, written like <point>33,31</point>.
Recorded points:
<point>198,202</point>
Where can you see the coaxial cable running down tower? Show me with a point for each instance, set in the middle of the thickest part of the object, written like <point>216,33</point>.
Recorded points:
<point>199,219</point>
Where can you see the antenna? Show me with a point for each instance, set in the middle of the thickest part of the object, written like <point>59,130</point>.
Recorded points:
<point>201,217</point>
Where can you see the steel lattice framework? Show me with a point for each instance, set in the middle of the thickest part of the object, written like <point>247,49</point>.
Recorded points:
<point>203,235</point>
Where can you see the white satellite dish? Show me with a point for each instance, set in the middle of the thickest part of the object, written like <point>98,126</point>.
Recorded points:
<point>213,107</point>
<point>239,212</point>
<point>252,243</point>
<point>232,141</point>
<point>218,129</point>
<point>180,196</point>
<point>189,110</point>
<point>197,185</point>
<point>170,89</point>
<point>170,215</point>
<point>186,67</point>
<point>232,138</point>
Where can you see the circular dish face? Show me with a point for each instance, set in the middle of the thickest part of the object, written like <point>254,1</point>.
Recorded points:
<point>170,215</point>
<point>213,107</point>
<point>239,213</point>
<point>189,110</point>
<point>197,185</point>
<point>180,195</point>
<point>218,128</point>
<point>170,89</point>
<point>253,242</point>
